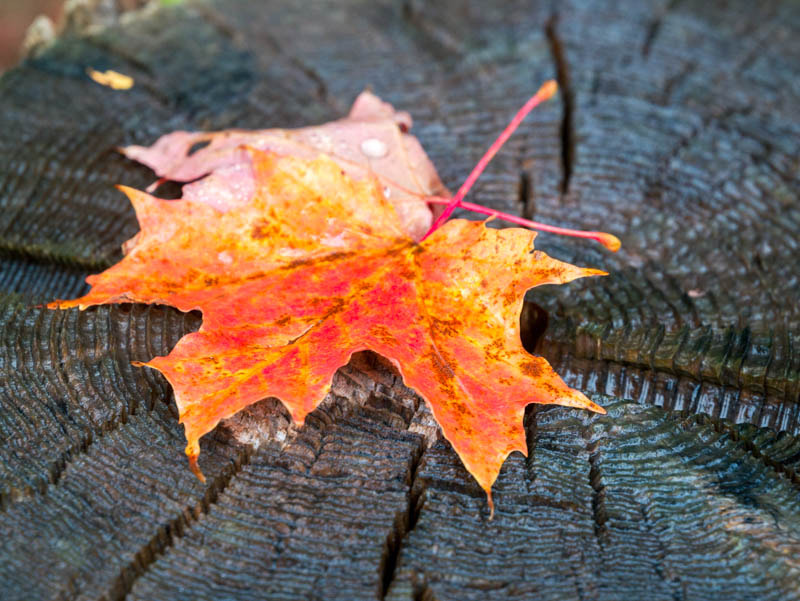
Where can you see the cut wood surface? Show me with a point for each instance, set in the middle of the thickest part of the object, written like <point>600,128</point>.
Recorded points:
<point>677,128</point>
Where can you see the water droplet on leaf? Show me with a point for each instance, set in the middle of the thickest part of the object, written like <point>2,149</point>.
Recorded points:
<point>374,148</point>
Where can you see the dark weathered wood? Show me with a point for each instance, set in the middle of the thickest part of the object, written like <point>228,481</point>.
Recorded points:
<point>641,504</point>
<point>676,127</point>
<point>312,520</point>
<point>68,380</point>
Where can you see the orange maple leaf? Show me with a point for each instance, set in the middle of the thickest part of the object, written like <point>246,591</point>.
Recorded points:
<point>318,266</point>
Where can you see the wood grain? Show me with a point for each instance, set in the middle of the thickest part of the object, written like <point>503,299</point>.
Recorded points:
<point>676,128</point>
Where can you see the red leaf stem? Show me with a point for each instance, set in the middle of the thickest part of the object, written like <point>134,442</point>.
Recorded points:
<point>546,92</point>
<point>610,241</point>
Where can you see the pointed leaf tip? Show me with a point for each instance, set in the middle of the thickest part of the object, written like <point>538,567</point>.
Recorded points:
<point>596,408</point>
<point>195,467</point>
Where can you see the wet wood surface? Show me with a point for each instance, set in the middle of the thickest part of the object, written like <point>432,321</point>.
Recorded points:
<point>677,128</point>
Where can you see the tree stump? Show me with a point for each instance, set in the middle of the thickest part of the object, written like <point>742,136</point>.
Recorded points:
<point>677,128</point>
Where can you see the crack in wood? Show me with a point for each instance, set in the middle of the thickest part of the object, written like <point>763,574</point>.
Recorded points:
<point>599,512</point>
<point>320,86</point>
<point>525,198</point>
<point>437,38</point>
<point>567,96</point>
<point>55,470</point>
<point>531,425</point>
<point>672,82</point>
<point>167,533</point>
<point>218,22</point>
<point>404,523</point>
<point>655,26</point>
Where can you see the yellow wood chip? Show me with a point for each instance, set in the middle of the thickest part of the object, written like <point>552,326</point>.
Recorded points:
<point>112,79</point>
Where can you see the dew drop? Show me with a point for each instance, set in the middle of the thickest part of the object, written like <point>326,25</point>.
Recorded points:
<point>374,148</point>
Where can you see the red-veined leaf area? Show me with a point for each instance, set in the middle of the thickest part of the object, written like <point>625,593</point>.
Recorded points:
<point>317,266</point>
